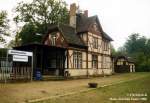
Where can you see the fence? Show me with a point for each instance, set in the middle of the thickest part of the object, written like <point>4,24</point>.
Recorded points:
<point>10,70</point>
<point>5,69</point>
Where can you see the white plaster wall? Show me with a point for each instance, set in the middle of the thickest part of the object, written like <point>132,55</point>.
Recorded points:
<point>107,71</point>
<point>77,72</point>
<point>84,56</point>
<point>71,58</point>
<point>84,64</point>
<point>83,59</point>
<point>91,72</point>
<point>100,71</point>
<point>99,65</point>
<point>90,38</point>
<point>99,61</point>
<point>95,71</point>
<point>89,61</point>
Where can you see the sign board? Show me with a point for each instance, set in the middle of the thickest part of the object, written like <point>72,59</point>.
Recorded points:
<point>21,53</point>
<point>19,58</point>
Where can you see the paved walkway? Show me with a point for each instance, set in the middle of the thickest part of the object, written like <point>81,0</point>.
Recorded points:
<point>16,93</point>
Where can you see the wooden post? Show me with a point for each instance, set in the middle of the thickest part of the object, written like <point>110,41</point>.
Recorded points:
<point>33,65</point>
<point>87,59</point>
<point>56,62</point>
<point>103,66</point>
<point>6,65</point>
<point>67,59</point>
<point>87,63</point>
<point>32,68</point>
<point>41,53</point>
<point>34,61</point>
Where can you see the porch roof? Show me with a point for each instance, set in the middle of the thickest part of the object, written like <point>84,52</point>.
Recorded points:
<point>30,46</point>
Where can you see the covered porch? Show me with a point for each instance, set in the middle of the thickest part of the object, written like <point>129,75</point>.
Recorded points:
<point>49,60</point>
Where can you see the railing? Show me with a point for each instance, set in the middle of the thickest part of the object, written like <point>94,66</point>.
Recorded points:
<point>10,70</point>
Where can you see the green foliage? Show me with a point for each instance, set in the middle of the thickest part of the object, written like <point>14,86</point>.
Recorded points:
<point>3,52</point>
<point>28,34</point>
<point>37,15</point>
<point>135,43</point>
<point>3,26</point>
<point>42,11</point>
<point>138,47</point>
<point>113,51</point>
<point>121,51</point>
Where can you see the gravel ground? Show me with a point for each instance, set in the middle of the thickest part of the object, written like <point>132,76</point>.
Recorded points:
<point>20,92</point>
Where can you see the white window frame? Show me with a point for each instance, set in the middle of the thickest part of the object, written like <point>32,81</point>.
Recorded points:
<point>77,59</point>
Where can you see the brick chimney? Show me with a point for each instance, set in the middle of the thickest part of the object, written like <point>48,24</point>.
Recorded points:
<point>73,9</point>
<point>86,13</point>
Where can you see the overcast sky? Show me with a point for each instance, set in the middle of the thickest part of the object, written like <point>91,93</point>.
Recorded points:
<point>119,18</point>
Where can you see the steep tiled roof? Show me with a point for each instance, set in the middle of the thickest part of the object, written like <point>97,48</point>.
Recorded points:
<point>82,25</point>
<point>69,34</point>
<point>84,22</point>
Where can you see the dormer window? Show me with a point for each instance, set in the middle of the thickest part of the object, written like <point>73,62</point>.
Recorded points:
<point>57,35</point>
<point>53,40</point>
<point>95,27</point>
<point>53,37</point>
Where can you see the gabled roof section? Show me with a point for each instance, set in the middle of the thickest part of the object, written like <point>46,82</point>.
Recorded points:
<point>129,59</point>
<point>68,33</point>
<point>83,24</point>
<point>107,36</point>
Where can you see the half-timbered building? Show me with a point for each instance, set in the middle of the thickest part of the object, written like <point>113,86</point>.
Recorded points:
<point>124,64</point>
<point>80,48</point>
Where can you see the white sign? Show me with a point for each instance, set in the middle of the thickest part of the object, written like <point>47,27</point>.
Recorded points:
<point>17,52</point>
<point>19,58</point>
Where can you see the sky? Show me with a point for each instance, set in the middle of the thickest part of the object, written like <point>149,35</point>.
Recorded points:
<point>119,18</point>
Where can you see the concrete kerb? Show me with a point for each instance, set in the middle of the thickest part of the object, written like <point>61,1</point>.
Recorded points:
<point>82,91</point>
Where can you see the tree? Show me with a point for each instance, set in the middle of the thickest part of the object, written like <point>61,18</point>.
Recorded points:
<point>138,47</point>
<point>3,26</point>
<point>113,51</point>
<point>38,14</point>
<point>28,34</point>
<point>135,43</point>
<point>122,51</point>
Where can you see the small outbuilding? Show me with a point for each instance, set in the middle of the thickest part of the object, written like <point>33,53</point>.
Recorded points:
<point>124,64</point>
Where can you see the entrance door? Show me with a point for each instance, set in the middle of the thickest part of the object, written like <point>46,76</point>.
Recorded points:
<point>61,63</point>
<point>54,62</point>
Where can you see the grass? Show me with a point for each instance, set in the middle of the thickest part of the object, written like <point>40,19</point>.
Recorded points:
<point>20,92</point>
<point>103,95</point>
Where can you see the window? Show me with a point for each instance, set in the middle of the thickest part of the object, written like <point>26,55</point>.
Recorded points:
<point>95,27</point>
<point>106,46</point>
<point>95,42</point>
<point>53,40</point>
<point>120,62</point>
<point>77,60</point>
<point>94,61</point>
<point>53,37</point>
